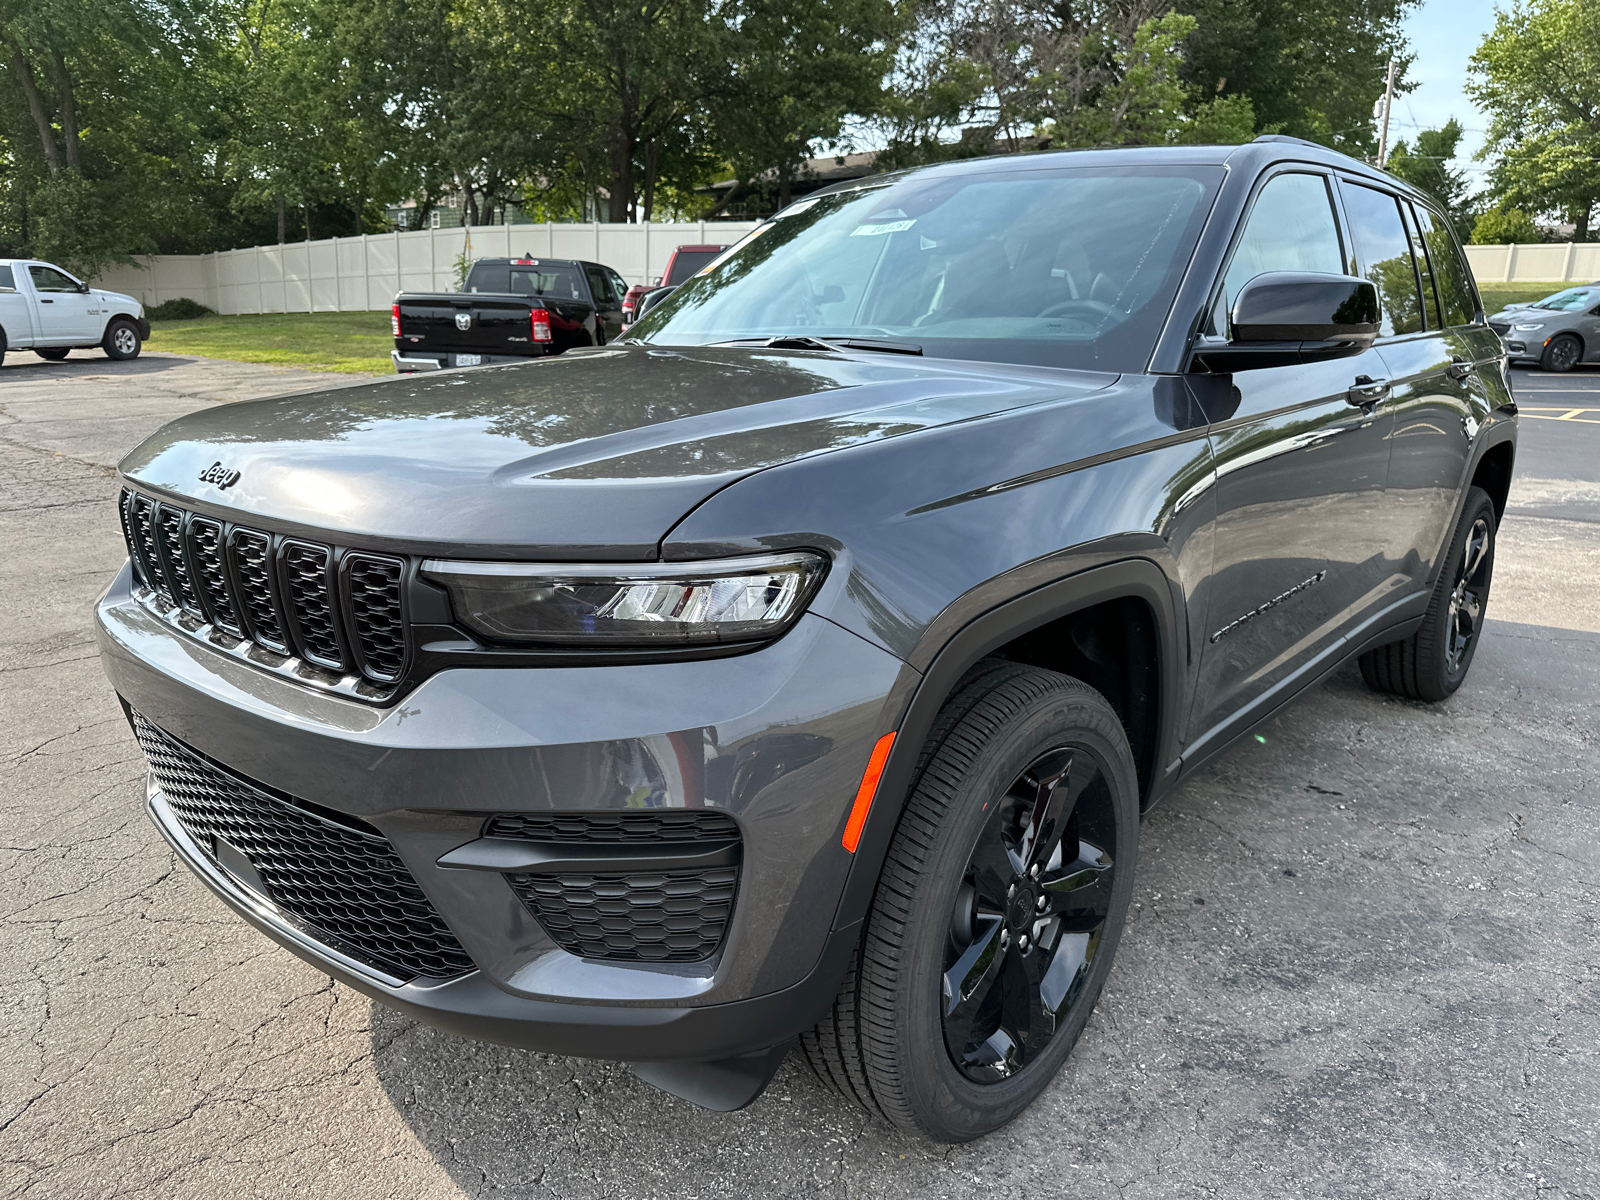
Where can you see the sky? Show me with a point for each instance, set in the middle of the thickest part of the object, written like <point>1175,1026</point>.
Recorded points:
<point>1443,34</point>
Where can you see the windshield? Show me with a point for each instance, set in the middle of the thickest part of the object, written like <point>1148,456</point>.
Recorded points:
<point>1071,267</point>
<point>1570,300</point>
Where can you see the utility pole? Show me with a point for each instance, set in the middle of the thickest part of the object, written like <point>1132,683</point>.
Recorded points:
<point>1388,102</point>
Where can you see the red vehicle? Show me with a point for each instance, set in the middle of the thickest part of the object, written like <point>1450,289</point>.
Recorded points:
<point>685,261</point>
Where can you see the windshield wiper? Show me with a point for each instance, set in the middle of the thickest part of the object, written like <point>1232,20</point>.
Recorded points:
<point>802,341</point>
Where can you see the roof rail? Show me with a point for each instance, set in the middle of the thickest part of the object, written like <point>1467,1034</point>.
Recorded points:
<point>1293,141</point>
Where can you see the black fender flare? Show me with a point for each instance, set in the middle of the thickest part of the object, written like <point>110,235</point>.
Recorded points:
<point>1497,432</point>
<point>918,696</point>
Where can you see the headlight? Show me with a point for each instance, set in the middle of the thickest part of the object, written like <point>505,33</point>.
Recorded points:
<point>1525,328</point>
<point>618,606</point>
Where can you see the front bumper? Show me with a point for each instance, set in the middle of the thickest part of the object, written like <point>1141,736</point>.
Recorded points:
<point>777,739</point>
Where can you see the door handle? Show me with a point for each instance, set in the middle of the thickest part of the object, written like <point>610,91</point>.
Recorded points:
<point>42,300</point>
<point>1367,391</point>
<point>1459,367</point>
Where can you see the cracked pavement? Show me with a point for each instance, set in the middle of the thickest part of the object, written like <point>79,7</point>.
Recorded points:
<point>1364,961</point>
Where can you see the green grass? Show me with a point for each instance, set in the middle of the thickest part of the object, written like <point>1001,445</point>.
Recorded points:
<point>1497,295</point>
<point>354,343</point>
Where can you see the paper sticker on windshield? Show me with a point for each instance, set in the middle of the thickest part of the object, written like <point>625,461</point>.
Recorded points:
<point>886,227</point>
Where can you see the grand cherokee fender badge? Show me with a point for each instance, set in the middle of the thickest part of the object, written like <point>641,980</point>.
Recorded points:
<point>218,474</point>
<point>464,321</point>
<point>1273,603</point>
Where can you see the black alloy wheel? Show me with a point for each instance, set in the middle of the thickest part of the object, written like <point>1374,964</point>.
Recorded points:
<point>998,911</point>
<point>1562,354</point>
<point>1029,915</point>
<point>1432,663</point>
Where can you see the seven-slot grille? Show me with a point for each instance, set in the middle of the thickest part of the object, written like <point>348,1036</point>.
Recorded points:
<point>339,611</point>
<point>665,914</point>
<point>335,876</point>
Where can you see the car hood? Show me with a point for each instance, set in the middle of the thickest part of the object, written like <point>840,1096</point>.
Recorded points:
<point>118,298</point>
<point>594,453</point>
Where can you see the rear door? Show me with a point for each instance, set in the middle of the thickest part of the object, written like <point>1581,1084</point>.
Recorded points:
<point>1433,353</point>
<point>63,309</point>
<point>1301,549</point>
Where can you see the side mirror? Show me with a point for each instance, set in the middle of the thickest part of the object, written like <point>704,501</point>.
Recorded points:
<point>1286,317</point>
<point>84,288</point>
<point>832,294</point>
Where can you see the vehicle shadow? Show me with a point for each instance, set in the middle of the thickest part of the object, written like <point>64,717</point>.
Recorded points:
<point>25,364</point>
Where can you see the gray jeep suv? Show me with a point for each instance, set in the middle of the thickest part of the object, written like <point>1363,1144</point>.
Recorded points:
<point>798,669</point>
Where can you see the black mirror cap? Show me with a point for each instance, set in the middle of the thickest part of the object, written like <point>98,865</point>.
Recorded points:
<point>1304,306</point>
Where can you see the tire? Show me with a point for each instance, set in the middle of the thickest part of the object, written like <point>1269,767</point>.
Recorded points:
<point>52,353</point>
<point>1562,354</point>
<point>1014,751</point>
<point>1432,663</point>
<point>121,341</point>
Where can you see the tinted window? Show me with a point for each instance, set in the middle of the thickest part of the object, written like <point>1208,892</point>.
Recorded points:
<point>7,283</point>
<point>48,279</point>
<point>599,287</point>
<point>686,262</point>
<point>1419,255</point>
<point>1291,228</point>
<point>1385,253</point>
<point>619,286</point>
<point>552,282</point>
<point>1450,276</point>
<point>1070,267</point>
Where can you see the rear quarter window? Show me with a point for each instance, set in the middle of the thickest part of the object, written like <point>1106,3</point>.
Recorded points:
<point>1450,274</point>
<point>7,282</point>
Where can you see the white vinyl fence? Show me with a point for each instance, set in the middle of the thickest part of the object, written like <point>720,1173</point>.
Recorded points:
<point>1542,261</point>
<point>364,273</point>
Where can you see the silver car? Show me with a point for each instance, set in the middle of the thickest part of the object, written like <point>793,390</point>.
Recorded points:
<point>1558,332</point>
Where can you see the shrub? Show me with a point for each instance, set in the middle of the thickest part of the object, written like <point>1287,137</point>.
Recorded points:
<point>181,309</point>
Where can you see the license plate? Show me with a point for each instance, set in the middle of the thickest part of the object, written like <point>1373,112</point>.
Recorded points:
<point>467,360</point>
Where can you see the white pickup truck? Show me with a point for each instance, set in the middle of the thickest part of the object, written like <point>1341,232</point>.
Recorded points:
<point>46,310</point>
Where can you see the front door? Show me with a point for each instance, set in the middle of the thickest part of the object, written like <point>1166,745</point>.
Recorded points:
<point>63,309</point>
<point>607,303</point>
<point>1301,548</point>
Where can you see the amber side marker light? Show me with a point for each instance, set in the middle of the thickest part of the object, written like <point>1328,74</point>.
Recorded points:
<point>865,793</point>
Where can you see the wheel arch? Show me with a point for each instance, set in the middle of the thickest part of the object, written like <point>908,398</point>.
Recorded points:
<point>1132,594</point>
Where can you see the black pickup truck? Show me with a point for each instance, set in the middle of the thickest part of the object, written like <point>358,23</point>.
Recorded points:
<point>512,309</point>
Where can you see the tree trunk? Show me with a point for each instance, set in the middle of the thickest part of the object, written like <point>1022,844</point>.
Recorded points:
<point>282,220</point>
<point>621,178</point>
<point>41,119</point>
<point>68,108</point>
<point>358,206</point>
<point>305,212</point>
<point>1580,226</point>
<point>652,159</point>
<point>722,205</point>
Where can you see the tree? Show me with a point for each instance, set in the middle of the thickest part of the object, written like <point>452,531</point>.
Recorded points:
<point>1036,72</point>
<point>1427,166</point>
<point>1499,226</point>
<point>1537,75</point>
<point>785,76</point>
<point>1310,68</point>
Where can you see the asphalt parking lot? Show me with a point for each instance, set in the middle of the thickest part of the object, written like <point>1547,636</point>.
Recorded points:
<point>1364,961</point>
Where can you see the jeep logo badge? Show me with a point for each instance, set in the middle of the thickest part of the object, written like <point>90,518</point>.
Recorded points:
<point>218,474</point>
<point>464,320</point>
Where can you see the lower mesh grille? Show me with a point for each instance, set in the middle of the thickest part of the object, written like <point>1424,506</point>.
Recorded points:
<point>338,878</point>
<point>657,916</point>
<point>639,825</point>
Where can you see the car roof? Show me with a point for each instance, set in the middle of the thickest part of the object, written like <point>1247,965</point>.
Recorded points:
<point>529,260</point>
<point>1252,157</point>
